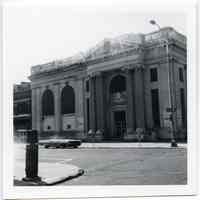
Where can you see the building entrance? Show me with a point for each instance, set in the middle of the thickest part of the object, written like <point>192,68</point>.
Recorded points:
<point>119,124</point>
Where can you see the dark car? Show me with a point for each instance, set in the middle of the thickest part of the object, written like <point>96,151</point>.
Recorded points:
<point>60,143</point>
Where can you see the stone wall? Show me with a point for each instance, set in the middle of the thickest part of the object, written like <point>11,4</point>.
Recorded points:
<point>49,123</point>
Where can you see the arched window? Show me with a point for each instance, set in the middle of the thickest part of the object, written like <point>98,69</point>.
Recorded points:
<point>47,103</point>
<point>118,84</point>
<point>67,100</point>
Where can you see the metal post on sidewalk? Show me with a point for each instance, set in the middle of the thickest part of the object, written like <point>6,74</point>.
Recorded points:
<point>171,93</point>
<point>31,169</point>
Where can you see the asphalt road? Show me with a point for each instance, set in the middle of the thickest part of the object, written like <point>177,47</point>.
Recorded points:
<point>123,166</point>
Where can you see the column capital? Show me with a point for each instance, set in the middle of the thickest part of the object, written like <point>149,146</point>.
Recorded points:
<point>139,67</point>
<point>35,88</point>
<point>57,83</point>
<point>171,58</point>
<point>127,68</point>
<point>133,67</point>
<point>94,74</point>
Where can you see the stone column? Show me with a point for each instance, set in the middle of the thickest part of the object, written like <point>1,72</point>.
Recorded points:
<point>92,104</point>
<point>185,93</point>
<point>33,108</point>
<point>139,97</point>
<point>84,105</point>
<point>99,102</point>
<point>38,107</point>
<point>57,105</point>
<point>130,105</point>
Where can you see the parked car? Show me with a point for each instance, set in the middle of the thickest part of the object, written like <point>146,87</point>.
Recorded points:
<point>60,143</point>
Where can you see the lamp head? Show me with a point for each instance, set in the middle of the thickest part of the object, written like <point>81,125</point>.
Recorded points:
<point>153,22</point>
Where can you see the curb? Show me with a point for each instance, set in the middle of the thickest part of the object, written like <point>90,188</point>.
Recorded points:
<point>80,172</point>
<point>43,183</point>
<point>132,147</point>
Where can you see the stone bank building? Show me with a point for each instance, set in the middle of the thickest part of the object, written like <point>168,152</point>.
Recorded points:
<point>121,84</point>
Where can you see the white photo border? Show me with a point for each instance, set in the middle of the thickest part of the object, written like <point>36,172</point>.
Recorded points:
<point>14,192</point>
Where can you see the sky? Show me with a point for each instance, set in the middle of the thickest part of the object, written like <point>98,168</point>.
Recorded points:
<point>38,34</point>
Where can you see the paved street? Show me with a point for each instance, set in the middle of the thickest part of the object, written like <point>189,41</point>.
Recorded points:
<point>122,166</point>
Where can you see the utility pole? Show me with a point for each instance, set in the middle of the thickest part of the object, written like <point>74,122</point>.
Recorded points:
<point>171,105</point>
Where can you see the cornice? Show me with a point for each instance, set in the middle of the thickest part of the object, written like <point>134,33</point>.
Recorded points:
<point>163,60</point>
<point>158,44</point>
<point>73,69</point>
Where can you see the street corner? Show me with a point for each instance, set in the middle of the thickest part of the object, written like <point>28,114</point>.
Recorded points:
<point>60,179</point>
<point>49,174</point>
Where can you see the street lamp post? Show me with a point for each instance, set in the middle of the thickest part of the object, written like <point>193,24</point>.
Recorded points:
<point>172,109</point>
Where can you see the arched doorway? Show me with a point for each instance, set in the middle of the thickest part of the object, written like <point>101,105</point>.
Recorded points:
<point>118,98</point>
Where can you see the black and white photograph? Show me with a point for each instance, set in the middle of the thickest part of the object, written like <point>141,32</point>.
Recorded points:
<point>98,96</point>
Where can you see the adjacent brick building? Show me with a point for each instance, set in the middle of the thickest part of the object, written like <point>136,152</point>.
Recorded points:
<point>22,106</point>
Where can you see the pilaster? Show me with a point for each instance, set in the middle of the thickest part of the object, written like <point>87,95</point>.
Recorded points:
<point>84,106</point>
<point>139,96</point>
<point>38,110</point>
<point>57,105</point>
<point>99,102</point>
<point>33,108</point>
<point>130,101</point>
<point>92,104</point>
<point>130,105</point>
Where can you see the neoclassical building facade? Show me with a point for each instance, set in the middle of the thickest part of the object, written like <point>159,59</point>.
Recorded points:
<point>122,84</point>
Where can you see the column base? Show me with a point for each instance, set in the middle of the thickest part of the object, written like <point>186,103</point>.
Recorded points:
<point>130,135</point>
<point>95,137</point>
<point>174,144</point>
<point>98,136</point>
<point>34,179</point>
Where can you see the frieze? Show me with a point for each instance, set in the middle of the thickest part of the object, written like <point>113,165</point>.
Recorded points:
<point>139,67</point>
<point>56,83</point>
<point>94,74</point>
<point>73,68</point>
<point>113,57</point>
<point>112,65</point>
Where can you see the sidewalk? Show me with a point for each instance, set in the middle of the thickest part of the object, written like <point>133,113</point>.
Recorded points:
<point>130,145</point>
<point>50,173</point>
